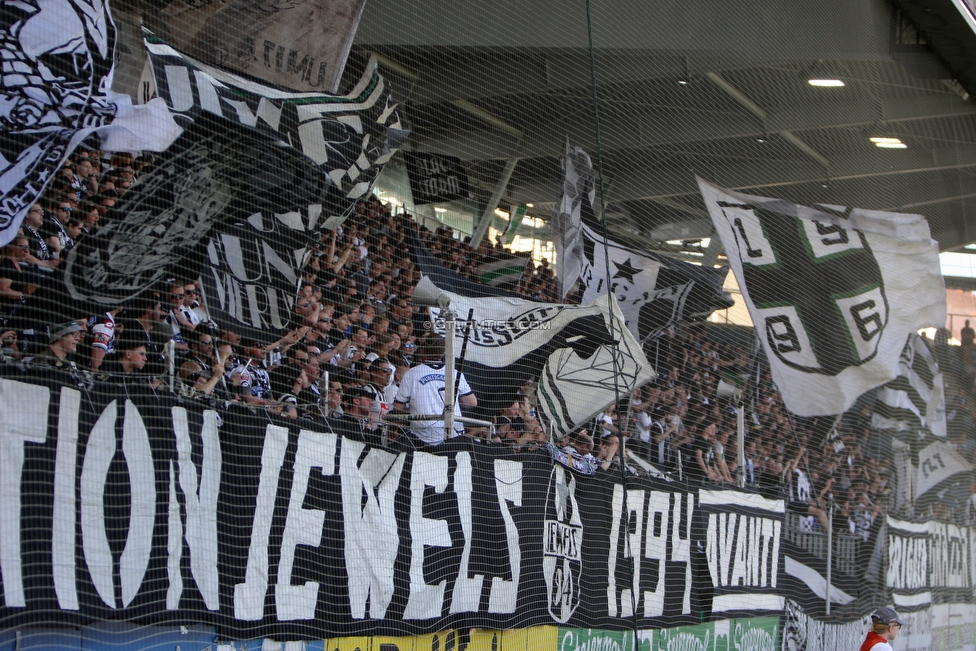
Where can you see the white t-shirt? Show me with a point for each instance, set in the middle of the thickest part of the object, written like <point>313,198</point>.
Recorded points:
<point>644,423</point>
<point>422,388</point>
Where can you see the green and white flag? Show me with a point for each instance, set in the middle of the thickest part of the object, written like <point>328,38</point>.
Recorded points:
<point>834,291</point>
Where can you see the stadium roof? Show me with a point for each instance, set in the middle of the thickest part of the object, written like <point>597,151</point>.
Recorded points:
<point>716,89</point>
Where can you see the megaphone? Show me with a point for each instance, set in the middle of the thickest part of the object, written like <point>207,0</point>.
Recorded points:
<point>725,390</point>
<point>427,294</point>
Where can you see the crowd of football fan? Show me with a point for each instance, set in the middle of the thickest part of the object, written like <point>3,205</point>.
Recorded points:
<point>356,334</point>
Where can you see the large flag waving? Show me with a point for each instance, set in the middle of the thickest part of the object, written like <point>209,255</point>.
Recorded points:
<point>653,291</point>
<point>914,400</point>
<point>582,357</point>
<point>351,137</point>
<point>834,292</point>
<point>58,65</point>
<point>237,200</point>
<point>939,467</point>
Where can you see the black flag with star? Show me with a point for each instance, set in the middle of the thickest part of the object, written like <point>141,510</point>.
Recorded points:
<point>652,290</point>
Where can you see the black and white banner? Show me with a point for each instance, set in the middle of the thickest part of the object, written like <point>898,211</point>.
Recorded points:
<point>928,563</point>
<point>243,228</point>
<point>159,510</point>
<point>350,136</point>
<point>582,357</point>
<point>834,292</point>
<point>915,400</point>
<point>57,90</point>
<point>805,575</point>
<point>742,534</point>
<point>653,291</point>
<point>577,354</point>
<point>575,207</point>
<point>435,178</point>
<point>801,632</point>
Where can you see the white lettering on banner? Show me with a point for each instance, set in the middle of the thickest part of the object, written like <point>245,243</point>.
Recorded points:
<point>64,519</point>
<point>445,185</point>
<point>634,520</point>
<point>948,556</point>
<point>650,535</point>
<point>743,550</point>
<point>371,537</point>
<point>655,548</point>
<point>578,640</point>
<point>678,640</point>
<point>753,639</point>
<point>425,600</point>
<point>253,300</point>
<point>174,545</point>
<point>200,499</point>
<point>249,596</point>
<point>98,457</point>
<point>562,538</point>
<point>466,596</point>
<point>908,562</point>
<point>508,486</point>
<point>142,513</point>
<point>303,526</point>
<point>30,426</point>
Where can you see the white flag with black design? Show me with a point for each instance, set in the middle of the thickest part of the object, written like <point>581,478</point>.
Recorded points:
<point>834,292</point>
<point>937,463</point>
<point>915,400</point>
<point>653,291</point>
<point>581,356</point>
<point>579,193</point>
<point>351,137</point>
<point>58,64</point>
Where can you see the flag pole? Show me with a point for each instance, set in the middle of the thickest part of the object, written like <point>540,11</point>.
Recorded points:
<point>450,319</point>
<point>464,350</point>
<point>830,551</point>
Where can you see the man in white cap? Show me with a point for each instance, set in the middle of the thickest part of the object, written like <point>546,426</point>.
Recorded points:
<point>885,625</point>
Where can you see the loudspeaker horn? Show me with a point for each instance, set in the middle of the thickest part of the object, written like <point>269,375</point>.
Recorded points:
<point>726,390</point>
<point>427,294</point>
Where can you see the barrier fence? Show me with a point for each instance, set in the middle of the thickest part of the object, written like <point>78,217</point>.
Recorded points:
<point>130,511</point>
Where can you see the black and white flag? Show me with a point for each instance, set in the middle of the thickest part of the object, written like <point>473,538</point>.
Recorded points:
<point>915,400</point>
<point>834,292</point>
<point>938,464</point>
<point>243,229</point>
<point>582,357</point>
<point>58,64</point>
<point>435,178</point>
<point>653,291</point>
<point>575,206</point>
<point>351,137</point>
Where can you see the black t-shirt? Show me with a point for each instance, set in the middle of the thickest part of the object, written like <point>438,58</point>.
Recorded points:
<point>156,364</point>
<point>692,470</point>
<point>17,279</point>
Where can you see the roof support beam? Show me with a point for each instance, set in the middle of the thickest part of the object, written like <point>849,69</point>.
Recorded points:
<point>756,110</point>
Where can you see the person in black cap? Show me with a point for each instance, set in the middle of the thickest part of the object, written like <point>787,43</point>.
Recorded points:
<point>885,626</point>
